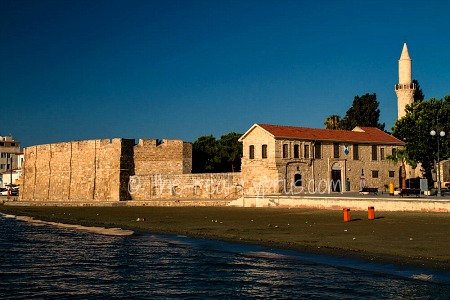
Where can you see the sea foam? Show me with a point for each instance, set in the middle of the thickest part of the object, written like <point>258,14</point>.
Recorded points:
<point>98,230</point>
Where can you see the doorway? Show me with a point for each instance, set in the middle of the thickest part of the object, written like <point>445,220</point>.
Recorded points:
<point>336,178</point>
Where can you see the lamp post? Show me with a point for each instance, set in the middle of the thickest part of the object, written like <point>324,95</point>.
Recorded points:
<point>11,173</point>
<point>442,134</point>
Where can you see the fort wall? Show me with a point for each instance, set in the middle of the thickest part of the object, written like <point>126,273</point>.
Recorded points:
<point>186,186</point>
<point>162,157</point>
<point>77,170</point>
<point>100,170</point>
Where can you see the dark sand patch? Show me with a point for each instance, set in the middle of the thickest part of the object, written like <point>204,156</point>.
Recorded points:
<point>407,238</point>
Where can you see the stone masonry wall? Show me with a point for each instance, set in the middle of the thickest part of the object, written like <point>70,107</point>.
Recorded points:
<point>59,172</point>
<point>99,170</point>
<point>186,186</point>
<point>165,157</point>
<point>78,170</point>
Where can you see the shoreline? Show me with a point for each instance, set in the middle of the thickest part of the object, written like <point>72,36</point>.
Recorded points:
<point>417,240</point>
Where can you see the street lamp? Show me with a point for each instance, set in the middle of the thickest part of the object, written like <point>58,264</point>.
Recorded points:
<point>442,134</point>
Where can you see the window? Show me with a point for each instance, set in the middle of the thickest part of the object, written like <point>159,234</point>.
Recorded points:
<point>393,151</point>
<point>13,144</point>
<point>374,173</point>
<point>296,151</point>
<point>2,166</point>
<point>306,152</point>
<point>318,150</point>
<point>355,152</point>
<point>251,153</point>
<point>336,150</point>
<point>374,152</point>
<point>285,150</point>
<point>381,153</point>
<point>264,151</point>
<point>196,189</point>
<point>298,180</point>
<point>391,173</point>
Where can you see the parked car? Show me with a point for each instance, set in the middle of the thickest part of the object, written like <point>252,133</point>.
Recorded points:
<point>12,192</point>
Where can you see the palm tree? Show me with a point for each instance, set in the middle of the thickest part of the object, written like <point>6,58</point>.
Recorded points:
<point>401,156</point>
<point>332,122</point>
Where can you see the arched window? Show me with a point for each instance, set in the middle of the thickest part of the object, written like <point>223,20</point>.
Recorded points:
<point>298,180</point>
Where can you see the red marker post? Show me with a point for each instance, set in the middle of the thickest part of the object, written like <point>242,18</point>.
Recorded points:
<point>346,214</point>
<point>371,213</point>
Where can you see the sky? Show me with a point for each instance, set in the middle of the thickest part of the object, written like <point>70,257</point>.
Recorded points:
<point>79,69</point>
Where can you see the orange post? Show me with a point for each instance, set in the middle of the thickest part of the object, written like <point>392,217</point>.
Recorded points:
<point>371,213</point>
<point>346,214</point>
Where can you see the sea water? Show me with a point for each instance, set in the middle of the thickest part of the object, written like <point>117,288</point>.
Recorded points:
<point>45,261</point>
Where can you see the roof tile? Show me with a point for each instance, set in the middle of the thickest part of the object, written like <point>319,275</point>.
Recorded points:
<point>364,135</point>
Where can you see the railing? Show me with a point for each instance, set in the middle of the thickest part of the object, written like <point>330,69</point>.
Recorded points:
<point>405,86</point>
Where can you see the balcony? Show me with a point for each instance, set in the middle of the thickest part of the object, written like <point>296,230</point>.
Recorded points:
<point>405,86</point>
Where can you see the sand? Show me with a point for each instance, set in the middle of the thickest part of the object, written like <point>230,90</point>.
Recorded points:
<point>408,238</point>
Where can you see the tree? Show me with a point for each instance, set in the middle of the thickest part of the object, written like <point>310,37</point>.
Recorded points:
<point>363,112</point>
<point>401,156</point>
<point>414,128</point>
<point>230,152</point>
<point>204,151</point>
<point>332,122</point>
<point>210,155</point>
<point>418,94</point>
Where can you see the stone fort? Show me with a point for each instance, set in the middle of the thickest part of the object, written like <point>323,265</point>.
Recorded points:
<point>117,170</point>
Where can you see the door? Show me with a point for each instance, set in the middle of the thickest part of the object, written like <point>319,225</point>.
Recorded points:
<point>336,181</point>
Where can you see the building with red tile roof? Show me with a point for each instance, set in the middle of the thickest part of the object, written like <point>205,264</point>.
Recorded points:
<point>357,135</point>
<point>288,159</point>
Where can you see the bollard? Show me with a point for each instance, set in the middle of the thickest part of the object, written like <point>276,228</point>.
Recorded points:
<point>371,213</point>
<point>346,214</point>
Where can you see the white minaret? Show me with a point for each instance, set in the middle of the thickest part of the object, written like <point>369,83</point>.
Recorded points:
<point>405,88</point>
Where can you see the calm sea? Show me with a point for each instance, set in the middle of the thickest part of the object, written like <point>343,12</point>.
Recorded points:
<point>50,262</point>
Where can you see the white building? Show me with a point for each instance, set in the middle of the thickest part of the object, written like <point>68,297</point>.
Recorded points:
<point>10,161</point>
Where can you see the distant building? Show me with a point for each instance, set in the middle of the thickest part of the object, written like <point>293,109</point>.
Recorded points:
<point>286,159</point>
<point>10,157</point>
<point>12,175</point>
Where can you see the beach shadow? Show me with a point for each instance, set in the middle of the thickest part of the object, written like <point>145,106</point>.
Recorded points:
<point>378,218</point>
<point>352,220</point>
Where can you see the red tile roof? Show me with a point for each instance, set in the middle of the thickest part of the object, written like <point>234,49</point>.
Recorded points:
<point>363,135</point>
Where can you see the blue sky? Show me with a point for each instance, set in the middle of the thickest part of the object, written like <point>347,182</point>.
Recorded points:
<point>78,69</point>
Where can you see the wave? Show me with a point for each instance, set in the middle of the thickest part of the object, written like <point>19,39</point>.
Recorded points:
<point>98,230</point>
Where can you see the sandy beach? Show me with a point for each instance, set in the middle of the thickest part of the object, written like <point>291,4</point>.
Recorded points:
<point>408,238</point>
